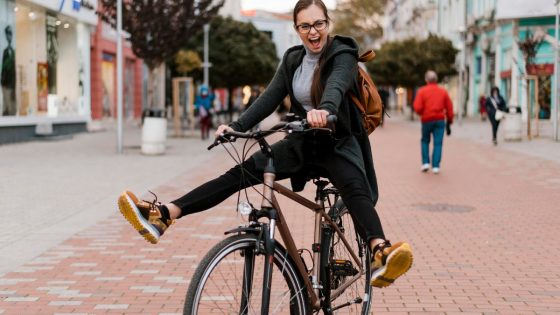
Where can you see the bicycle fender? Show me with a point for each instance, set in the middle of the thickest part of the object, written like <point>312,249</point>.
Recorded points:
<point>244,229</point>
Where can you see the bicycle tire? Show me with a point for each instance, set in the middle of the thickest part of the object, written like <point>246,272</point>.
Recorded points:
<point>211,290</point>
<point>336,274</point>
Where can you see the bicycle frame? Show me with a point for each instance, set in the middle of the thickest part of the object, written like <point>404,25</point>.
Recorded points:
<point>277,221</point>
<point>320,217</point>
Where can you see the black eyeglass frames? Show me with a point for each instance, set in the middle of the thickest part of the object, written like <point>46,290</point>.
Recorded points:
<point>318,25</point>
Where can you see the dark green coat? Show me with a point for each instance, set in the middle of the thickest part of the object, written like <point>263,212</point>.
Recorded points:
<point>338,77</point>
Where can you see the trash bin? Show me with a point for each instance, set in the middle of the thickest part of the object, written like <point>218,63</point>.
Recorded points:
<point>154,131</point>
<point>512,124</point>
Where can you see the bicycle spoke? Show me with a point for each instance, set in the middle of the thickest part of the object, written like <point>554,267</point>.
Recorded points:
<point>225,285</point>
<point>346,267</point>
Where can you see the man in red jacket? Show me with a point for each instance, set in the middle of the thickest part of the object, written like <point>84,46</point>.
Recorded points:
<point>433,104</point>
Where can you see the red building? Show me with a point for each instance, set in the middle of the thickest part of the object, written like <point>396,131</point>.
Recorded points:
<point>104,76</point>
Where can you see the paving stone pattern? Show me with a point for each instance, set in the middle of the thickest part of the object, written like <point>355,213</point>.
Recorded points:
<point>484,233</point>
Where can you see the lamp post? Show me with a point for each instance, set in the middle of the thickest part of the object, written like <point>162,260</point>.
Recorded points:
<point>206,63</point>
<point>556,74</point>
<point>119,79</point>
<point>462,33</point>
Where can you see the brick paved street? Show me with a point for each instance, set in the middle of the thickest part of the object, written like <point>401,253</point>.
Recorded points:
<point>484,231</point>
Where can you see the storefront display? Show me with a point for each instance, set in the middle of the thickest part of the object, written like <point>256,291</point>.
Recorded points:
<point>8,104</point>
<point>44,54</point>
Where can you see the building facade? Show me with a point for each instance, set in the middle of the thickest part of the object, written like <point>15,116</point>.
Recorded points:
<point>501,32</point>
<point>492,37</point>
<point>404,19</point>
<point>104,76</point>
<point>279,26</point>
<point>45,65</point>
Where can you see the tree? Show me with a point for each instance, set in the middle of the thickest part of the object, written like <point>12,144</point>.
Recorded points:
<point>529,48</point>
<point>360,19</point>
<point>159,28</point>
<point>404,63</point>
<point>187,61</point>
<point>240,54</point>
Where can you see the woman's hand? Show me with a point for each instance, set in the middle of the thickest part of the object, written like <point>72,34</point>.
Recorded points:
<point>317,118</point>
<point>223,129</point>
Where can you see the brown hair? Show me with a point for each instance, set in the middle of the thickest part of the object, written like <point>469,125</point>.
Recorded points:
<point>304,4</point>
<point>316,84</point>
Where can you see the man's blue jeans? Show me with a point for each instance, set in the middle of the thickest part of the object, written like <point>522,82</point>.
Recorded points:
<point>437,128</point>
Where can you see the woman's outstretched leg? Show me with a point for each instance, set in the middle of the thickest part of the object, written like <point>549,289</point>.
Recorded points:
<point>151,219</point>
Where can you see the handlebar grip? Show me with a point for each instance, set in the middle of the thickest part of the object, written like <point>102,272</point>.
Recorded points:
<point>331,122</point>
<point>213,144</point>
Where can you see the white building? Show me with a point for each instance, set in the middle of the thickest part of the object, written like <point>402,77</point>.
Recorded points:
<point>278,26</point>
<point>409,18</point>
<point>47,65</point>
<point>231,8</point>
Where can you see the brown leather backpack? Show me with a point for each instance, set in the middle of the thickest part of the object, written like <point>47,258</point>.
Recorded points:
<point>368,100</point>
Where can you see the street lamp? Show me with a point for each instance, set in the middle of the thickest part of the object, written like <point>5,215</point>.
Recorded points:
<point>462,33</point>
<point>119,79</point>
<point>206,63</point>
<point>556,74</point>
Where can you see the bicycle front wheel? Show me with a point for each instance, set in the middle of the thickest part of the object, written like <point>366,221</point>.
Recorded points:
<point>229,280</point>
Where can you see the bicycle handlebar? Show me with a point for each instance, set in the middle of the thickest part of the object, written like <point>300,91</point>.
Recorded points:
<point>298,126</point>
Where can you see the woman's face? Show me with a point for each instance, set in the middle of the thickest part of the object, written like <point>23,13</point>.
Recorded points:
<point>308,21</point>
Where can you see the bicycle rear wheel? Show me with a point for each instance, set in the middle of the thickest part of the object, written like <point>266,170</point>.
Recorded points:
<point>341,267</point>
<point>229,280</point>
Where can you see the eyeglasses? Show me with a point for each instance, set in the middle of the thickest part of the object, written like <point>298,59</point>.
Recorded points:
<point>319,25</point>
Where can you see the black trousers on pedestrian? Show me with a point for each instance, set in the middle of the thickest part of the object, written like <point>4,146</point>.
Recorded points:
<point>345,176</point>
<point>495,124</point>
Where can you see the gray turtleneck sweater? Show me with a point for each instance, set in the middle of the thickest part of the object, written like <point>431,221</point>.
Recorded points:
<point>303,78</point>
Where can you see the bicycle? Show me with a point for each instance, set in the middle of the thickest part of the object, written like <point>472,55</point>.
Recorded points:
<point>226,280</point>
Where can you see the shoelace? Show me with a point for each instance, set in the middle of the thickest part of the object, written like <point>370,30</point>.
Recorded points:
<point>154,205</point>
<point>155,209</point>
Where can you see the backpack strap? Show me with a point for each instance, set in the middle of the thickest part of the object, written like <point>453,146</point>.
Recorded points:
<point>367,56</point>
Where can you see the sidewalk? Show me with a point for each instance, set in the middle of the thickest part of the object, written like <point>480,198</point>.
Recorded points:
<point>484,231</point>
<point>481,132</point>
<point>54,189</point>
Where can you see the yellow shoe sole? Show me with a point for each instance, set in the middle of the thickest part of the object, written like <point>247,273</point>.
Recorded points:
<point>127,206</point>
<point>398,263</point>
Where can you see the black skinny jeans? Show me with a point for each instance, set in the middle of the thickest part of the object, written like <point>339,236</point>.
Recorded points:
<point>495,124</point>
<point>345,176</point>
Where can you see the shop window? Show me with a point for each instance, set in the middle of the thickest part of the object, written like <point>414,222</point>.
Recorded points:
<point>8,103</point>
<point>544,96</point>
<point>478,65</point>
<point>36,47</point>
<point>506,88</point>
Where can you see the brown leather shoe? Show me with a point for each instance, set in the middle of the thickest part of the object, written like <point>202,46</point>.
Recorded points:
<point>144,216</point>
<point>389,263</point>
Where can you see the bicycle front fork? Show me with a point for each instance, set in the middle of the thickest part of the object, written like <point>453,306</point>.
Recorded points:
<point>269,246</point>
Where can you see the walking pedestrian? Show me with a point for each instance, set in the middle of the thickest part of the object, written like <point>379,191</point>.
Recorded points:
<point>254,95</point>
<point>434,106</point>
<point>482,107</point>
<point>317,77</point>
<point>203,105</point>
<point>495,107</point>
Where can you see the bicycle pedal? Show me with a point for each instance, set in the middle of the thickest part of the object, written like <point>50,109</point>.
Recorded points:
<point>343,268</point>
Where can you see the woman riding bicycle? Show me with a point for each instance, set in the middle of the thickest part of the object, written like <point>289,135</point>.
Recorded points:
<point>317,77</point>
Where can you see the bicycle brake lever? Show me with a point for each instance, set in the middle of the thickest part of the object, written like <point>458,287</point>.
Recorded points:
<point>297,126</point>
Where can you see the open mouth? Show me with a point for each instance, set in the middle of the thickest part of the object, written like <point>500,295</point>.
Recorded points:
<point>315,42</point>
